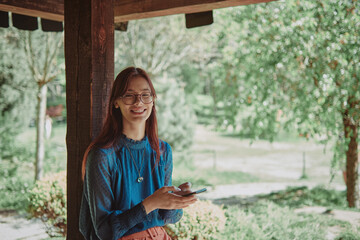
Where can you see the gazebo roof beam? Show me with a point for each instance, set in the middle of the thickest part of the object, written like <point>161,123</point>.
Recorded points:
<point>47,9</point>
<point>125,10</point>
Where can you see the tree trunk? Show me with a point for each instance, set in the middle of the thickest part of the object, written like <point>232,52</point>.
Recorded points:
<point>352,184</point>
<point>40,133</point>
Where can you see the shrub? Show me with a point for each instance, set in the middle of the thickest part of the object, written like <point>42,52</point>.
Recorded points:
<point>351,233</point>
<point>176,119</point>
<point>14,193</point>
<point>202,220</point>
<point>47,201</point>
<point>266,220</point>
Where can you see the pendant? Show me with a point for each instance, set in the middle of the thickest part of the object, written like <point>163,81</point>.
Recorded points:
<point>140,179</point>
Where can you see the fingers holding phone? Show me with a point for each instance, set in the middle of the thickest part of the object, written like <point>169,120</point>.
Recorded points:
<point>195,192</point>
<point>167,198</point>
<point>186,190</point>
<point>185,187</point>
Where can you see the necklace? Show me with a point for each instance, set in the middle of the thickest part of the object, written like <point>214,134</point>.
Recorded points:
<point>140,178</point>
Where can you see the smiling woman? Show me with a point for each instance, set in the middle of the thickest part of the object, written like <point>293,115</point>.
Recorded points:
<point>127,169</point>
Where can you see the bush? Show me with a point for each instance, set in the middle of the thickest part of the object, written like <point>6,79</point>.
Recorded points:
<point>14,193</point>
<point>15,161</point>
<point>17,98</point>
<point>47,201</point>
<point>352,233</point>
<point>202,220</point>
<point>176,119</point>
<point>266,220</point>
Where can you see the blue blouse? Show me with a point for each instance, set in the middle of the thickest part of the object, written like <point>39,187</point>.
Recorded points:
<point>111,205</point>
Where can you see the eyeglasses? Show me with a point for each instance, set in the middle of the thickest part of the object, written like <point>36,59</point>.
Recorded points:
<point>130,99</point>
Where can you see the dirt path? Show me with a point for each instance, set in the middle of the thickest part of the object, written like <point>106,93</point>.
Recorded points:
<point>17,227</point>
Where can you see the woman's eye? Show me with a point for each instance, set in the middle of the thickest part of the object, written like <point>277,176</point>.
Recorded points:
<point>146,95</point>
<point>128,96</point>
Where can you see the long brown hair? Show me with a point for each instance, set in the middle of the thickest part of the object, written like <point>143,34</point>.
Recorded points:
<point>113,125</point>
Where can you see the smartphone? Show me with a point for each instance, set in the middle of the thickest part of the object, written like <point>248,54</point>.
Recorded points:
<point>195,192</point>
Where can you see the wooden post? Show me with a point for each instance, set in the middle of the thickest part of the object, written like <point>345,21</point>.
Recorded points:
<point>89,58</point>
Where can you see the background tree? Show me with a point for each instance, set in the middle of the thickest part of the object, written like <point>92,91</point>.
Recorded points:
<point>41,51</point>
<point>159,49</point>
<point>16,101</point>
<point>162,51</point>
<point>295,65</point>
<point>176,118</point>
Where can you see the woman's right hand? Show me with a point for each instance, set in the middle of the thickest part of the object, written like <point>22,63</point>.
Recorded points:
<point>163,199</point>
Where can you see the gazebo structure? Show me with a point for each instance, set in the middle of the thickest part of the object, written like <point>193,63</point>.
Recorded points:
<point>89,60</point>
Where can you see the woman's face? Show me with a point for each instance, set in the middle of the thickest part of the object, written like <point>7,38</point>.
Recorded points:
<point>138,112</point>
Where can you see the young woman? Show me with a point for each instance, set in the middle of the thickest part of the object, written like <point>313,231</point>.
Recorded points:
<point>127,170</point>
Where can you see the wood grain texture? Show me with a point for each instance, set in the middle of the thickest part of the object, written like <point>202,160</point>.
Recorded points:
<point>89,53</point>
<point>102,60</point>
<point>78,99</point>
<point>125,10</point>
<point>47,9</point>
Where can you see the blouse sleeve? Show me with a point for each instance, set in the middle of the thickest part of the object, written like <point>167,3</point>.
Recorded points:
<point>169,216</point>
<point>108,222</point>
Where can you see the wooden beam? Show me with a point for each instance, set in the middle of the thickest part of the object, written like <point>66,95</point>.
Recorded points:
<point>47,9</point>
<point>89,58</point>
<point>199,19</point>
<point>24,22</point>
<point>4,19</point>
<point>51,26</point>
<point>125,10</point>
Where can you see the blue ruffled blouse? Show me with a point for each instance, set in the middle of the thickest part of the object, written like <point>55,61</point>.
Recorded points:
<point>112,197</point>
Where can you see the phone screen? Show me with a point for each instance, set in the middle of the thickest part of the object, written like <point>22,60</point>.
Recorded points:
<point>195,192</point>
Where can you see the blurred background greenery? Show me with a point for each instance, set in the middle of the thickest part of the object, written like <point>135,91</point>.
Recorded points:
<point>286,71</point>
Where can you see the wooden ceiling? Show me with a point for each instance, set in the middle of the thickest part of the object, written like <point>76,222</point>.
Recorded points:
<point>124,10</point>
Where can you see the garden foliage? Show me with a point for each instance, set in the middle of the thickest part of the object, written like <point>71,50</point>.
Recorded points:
<point>266,220</point>
<point>202,220</point>
<point>17,98</point>
<point>176,119</point>
<point>47,201</point>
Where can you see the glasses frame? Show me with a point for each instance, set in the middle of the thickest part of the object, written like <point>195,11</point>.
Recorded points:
<point>136,97</point>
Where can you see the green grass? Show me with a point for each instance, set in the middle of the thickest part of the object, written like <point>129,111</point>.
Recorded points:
<point>266,220</point>
<point>282,136</point>
<point>296,197</point>
<point>272,216</point>
<point>209,177</point>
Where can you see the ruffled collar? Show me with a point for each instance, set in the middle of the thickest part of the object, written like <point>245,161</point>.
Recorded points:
<point>133,144</point>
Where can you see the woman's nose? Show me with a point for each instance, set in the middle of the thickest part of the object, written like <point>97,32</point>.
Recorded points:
<point>138,99</point>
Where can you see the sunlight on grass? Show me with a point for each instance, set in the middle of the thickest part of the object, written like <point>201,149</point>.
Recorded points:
<point>208,176</point>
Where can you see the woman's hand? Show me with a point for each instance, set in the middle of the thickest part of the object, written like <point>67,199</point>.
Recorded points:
<point>185,188</point>
<point>163,199</point>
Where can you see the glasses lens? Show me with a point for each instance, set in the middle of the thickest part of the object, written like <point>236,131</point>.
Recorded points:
<point>146,98</point>
<point>129,99</point>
